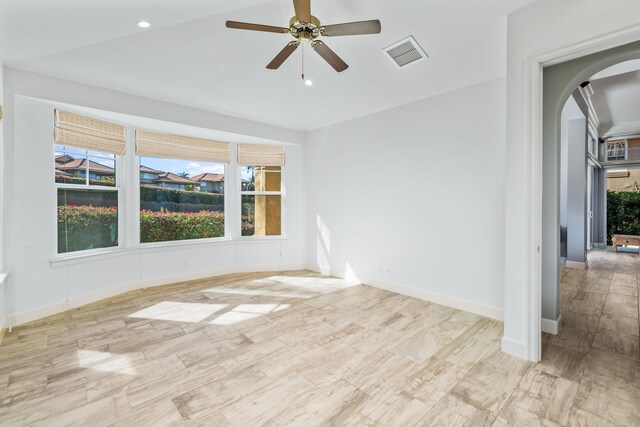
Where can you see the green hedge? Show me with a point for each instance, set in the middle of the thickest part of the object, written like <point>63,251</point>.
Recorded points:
<point>623,213</point>
<point>158,194</point>
<point>89,227</point>
<point>86,227</point>
<point>63,179</point>
<point>169,226</point>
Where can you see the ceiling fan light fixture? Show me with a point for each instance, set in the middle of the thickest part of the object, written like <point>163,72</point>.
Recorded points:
<point>308,82</point>
<point>304,27</point>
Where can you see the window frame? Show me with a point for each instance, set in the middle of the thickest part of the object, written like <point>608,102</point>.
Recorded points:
<point>118,162</point>
<point>283,197</point>
<point>626,151</point>
<point>128,190</point>
<point>138,240</point>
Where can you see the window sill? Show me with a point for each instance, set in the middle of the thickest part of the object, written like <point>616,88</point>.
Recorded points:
<point>82,257</point>
<point>260,239</point>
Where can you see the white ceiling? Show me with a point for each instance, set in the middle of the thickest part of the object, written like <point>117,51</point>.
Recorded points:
<point>189,57</point>
<point>616,100</point>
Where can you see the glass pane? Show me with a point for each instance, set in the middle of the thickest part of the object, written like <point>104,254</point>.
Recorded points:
<point>180,200</point>
<point>261,178</point>
<point>261,215</point>
<point>73,164</point>
<point>87,219</point>
<point>102,171</point>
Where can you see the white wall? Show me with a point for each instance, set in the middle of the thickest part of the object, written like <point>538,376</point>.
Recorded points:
<point>570,111</point>
<point>545,25</point>
<point>40,288</point>
<point>417,190</point>
<point>2,239</point>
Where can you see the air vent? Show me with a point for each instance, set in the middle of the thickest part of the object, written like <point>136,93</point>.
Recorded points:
<point>406,51</point>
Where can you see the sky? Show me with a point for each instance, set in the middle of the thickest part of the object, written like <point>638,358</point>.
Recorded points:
<point>166,165</point>
<point>176,166</point>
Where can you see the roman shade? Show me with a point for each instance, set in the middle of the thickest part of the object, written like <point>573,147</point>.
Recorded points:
<point>167,146</point>
<point>260,155</point>
<point>75,130</point>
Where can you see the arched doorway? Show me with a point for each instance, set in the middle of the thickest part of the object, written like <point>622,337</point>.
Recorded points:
<point>559,83</point>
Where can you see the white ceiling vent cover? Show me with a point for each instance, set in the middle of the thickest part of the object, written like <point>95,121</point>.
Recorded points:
<point>406,51</point>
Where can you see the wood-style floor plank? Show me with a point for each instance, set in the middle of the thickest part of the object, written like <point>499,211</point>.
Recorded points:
<point>299,348</point>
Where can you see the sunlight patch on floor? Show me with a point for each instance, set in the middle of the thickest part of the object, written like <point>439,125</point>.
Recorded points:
<point>179,311</point>
<point>106,362</point>
<point>260,292</point>
<point>247,311</point>
<point>315,284</point>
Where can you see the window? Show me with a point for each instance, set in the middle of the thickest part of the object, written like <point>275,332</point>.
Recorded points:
<point>616,150</point>
<point>261,200</point>
<point>173,204</point>
<point>261,189</point>
<point>173,207</point>
<point>87,194</point>
<point>86,153</point>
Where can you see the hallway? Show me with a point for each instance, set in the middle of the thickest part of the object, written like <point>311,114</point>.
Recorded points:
<point>595,358</point>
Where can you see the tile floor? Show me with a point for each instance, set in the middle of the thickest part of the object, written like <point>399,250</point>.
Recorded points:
<point>297,348</point>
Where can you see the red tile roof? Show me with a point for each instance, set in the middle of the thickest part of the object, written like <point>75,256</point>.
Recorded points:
<point>81,164</point>
<point>172,177</point>
<point>210,177</point>
<point>147,169</point>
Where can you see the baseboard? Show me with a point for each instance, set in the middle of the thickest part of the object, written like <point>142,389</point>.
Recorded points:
<point>551,326</point>
<point>514,348</point>
<point>577,265</point>
<point>62,306</point>
<point>453,302</point>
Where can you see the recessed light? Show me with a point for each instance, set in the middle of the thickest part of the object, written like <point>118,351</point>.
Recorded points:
<point>144,24</point>
<point>308,82</point>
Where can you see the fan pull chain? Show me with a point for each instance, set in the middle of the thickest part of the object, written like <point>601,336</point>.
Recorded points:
<point>302,61</point>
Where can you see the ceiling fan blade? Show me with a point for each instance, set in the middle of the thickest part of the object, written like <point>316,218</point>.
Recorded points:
<point>283,55</point>
<point>256,27</point>
<point>303,10</point>
<point>352,28</point>
<point>330,56</point>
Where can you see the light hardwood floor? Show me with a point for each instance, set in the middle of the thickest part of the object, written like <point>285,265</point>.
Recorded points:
<point>298,348</point>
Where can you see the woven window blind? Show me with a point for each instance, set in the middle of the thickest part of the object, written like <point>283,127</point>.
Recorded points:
<point>260,155</point>
<point>75,130</point>
<point>156,144</point>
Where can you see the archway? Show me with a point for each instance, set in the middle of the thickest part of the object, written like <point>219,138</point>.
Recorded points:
<point>559,83</point>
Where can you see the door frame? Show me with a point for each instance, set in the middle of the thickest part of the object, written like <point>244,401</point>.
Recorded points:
<point>533,118</point>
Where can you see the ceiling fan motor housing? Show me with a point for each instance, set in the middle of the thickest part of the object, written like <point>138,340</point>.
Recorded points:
<point>305,31</point>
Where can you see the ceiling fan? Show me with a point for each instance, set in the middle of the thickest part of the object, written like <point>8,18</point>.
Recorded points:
<point>305,27</point>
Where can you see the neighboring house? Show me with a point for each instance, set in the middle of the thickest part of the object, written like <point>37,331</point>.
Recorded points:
<point>77,168</point>
<point>175,182</point>
<point>149,176</point>
<point>623,149</point>
<point>62,159</point>
<point>62,173</point>
<point>210,182</point>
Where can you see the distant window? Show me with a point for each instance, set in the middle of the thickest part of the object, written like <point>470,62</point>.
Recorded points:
<point>87,199</point>
<point>148,176</point>
<point>616,150</point>
<point>261,199</point>
<point>179,210</point>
